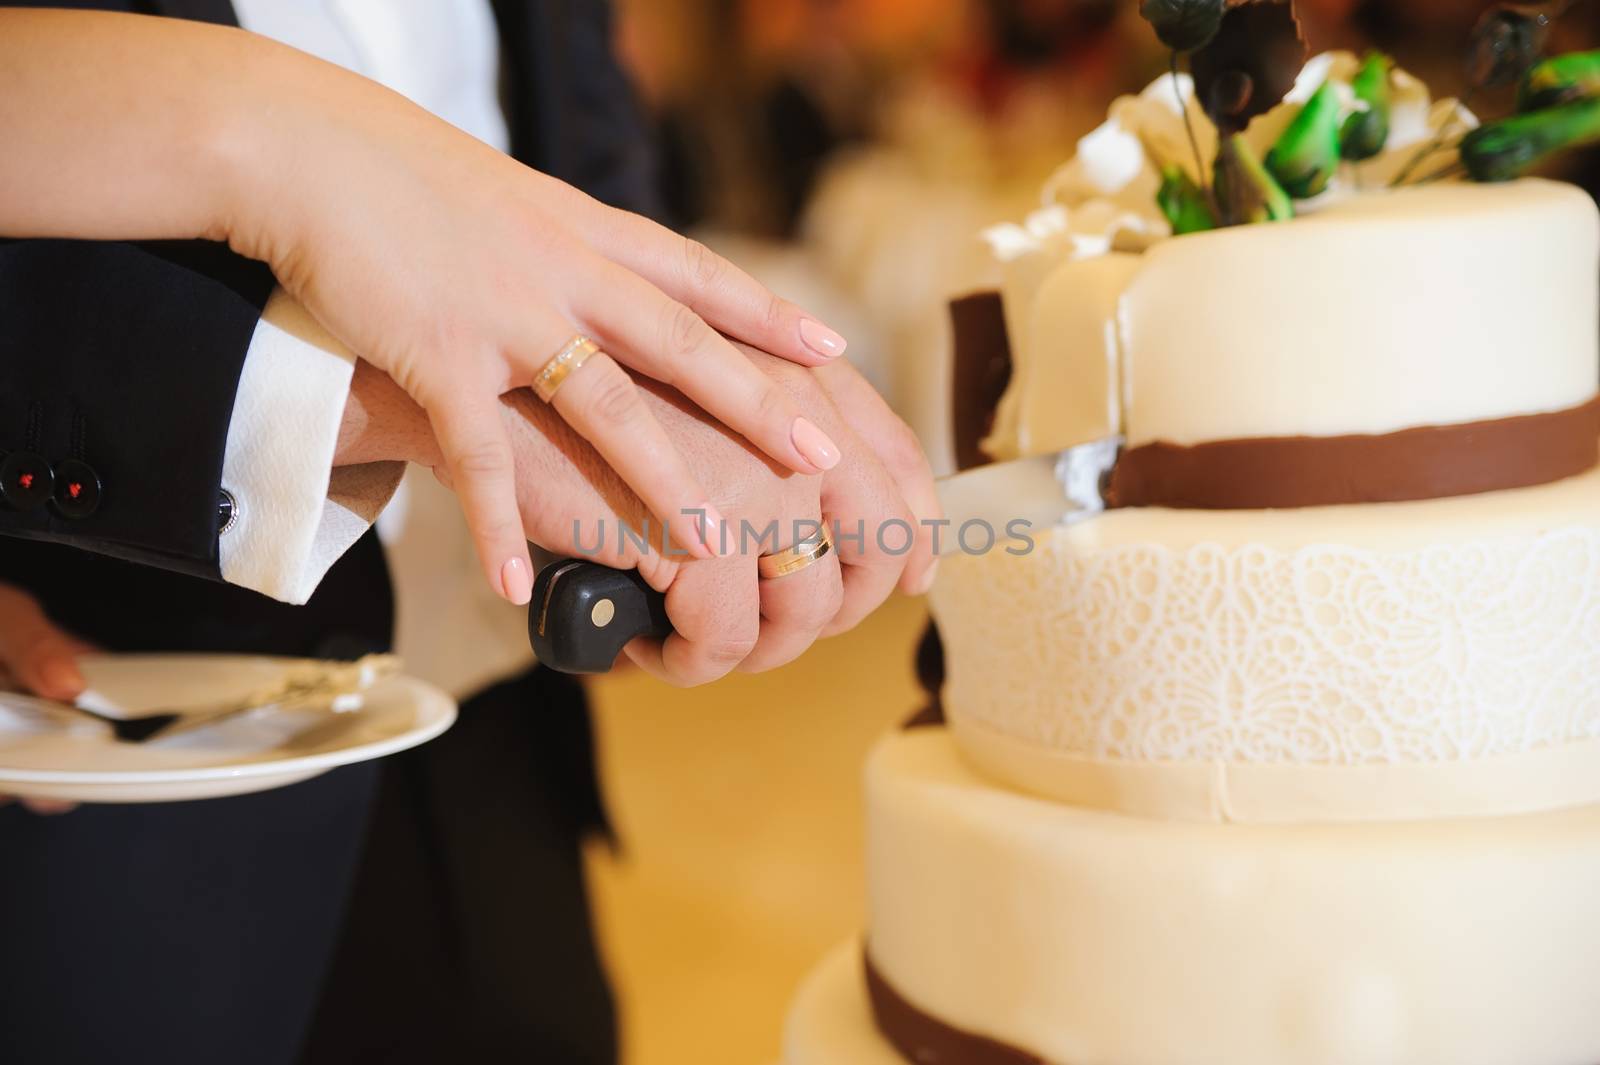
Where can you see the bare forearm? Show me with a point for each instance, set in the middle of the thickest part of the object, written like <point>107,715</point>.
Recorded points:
<point>116,126</point>
<point>126,127</point>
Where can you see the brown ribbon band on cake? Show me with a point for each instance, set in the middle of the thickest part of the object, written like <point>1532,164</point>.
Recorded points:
<point>925,1039</point>
<point>1433,462</point>
<point>980,374</point>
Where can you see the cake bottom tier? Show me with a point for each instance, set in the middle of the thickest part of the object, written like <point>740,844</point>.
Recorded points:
<point>1079,937</point>
<point>831,1021</point>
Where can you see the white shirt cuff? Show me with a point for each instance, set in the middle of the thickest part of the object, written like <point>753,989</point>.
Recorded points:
<point>294,514</point>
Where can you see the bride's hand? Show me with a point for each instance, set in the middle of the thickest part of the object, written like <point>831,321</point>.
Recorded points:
<point>461,272</point>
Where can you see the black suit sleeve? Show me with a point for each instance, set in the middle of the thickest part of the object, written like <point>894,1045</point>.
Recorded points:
<point>610,149</point>
<point>124,358</point>
<point>572,110</point>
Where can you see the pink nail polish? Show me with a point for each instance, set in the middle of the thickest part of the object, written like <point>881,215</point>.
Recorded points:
<point>814,444</point>
<point>822,340</point>
<point>711,531</point>
<point>516,583</point>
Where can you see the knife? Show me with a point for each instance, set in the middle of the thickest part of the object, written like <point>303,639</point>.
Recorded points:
<point>1044,491</point>
<point>583,613</point>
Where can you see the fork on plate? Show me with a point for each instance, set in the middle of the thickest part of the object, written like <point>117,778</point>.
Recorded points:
<point>337,684</point>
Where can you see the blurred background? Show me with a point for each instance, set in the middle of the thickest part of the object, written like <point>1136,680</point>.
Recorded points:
<point>847,152</point>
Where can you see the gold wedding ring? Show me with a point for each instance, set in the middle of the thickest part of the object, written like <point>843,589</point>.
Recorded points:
<point>796,558</point>
<point>554,373</point>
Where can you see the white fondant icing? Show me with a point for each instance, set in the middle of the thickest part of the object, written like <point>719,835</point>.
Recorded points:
<point>1301,329</point>
<point>1083,936</point>
<point>1029,255</point>
<point>1422,306</point>
<point>1548,778</point>
<point>1294,330</point>
<point>1402,635</point>
<point>1077,393</point>
<point>831,1021</point>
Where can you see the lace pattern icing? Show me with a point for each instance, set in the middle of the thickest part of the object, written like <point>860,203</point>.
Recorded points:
<point>1325,655</point>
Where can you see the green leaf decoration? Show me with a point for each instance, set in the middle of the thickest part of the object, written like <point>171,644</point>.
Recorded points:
<point>1246,192</point>
<point>1503,151</point>
<point>1184,202</point>
<point>1560,81</point>
<point>1251,63</point>
<point>1507,41</point>
<point>1183,25</point>
<point>1307,155</point>
<point>1366,132</point>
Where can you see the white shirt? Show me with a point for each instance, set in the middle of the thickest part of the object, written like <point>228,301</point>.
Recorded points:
<point>441,54</point>
<point>296,515</point>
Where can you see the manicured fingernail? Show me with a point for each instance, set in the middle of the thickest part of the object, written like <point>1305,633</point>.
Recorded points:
<point>814,444</point>
<point>925,585</point>
<point>822,340</point>
<point>62,678</point>
<point>711,530</point>
<point>516,583</point>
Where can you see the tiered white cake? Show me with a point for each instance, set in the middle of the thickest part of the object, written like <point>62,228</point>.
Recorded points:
<point>1308,783</point>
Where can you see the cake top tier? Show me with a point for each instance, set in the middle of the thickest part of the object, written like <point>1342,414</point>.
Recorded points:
<point>1423,306</point>
<point>1375,311</point>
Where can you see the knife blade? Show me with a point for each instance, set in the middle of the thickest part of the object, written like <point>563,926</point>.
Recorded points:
<point>583,613</point>
<point>1042,492</point>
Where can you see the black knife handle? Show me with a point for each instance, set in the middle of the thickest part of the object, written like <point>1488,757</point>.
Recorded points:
<point>583,613</point>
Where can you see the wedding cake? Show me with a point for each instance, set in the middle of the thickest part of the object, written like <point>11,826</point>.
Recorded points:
<point>1292,756</point>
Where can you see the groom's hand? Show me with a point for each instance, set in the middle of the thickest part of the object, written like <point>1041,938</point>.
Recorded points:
<point>879,497</point>
<point>873,503</point>
<point>722,615</point>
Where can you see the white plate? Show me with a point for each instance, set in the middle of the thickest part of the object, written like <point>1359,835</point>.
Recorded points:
<point>42,757</point>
